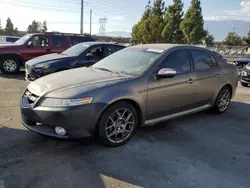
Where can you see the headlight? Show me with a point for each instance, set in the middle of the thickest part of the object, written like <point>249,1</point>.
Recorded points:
<point>42,66</point>
<point>53,102</point>
<point>244,73</point>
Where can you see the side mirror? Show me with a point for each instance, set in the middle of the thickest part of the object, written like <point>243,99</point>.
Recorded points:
<point>166,73</point>
<point>30,43</point>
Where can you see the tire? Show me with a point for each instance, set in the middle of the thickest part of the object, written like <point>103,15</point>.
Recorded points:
<point>227,93</point>
<point>111,124</point>
<point>10,65</point>
<point>243,84</point>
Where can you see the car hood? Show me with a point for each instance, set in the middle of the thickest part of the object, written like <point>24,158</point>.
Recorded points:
<point>47,58</point>
<point>9,45</point>
<point>73,78</point>
<point>243,59</point>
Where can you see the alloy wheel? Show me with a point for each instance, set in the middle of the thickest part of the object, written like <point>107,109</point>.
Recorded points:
<point>9,65</point>
<point>120,125</point>
<point>224,100</point>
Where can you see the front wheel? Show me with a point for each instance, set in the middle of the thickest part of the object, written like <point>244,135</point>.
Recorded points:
<point>223,100</point>
<point>243,84</point>
<point>9,65</point>
<point>118,124</point>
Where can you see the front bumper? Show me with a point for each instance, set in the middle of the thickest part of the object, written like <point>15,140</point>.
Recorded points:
<point>32,75</point>
<point>78,121</point>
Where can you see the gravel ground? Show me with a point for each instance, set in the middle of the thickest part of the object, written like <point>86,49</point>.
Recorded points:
<point>201,150</point>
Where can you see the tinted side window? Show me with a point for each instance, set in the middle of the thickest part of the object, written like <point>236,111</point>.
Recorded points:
<point>179,61</point>
<point>202,60</point>
<point>113,49</point>
<point>59,41</point>
<point>10,39</point>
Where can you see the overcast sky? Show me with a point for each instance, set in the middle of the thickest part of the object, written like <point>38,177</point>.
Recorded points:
<point>64,15</point>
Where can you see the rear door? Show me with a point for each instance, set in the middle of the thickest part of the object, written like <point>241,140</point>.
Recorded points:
<point>207,75</point>
<point>59,43</point>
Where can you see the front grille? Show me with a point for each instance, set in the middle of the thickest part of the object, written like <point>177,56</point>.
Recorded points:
<point>241,64</point>
<point>30,96</point>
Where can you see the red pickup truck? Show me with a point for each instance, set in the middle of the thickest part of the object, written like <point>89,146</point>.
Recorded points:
<point>14,55</point>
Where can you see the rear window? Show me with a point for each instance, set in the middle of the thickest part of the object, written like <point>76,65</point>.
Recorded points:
<point>59,41</point>
<point>11,39</point>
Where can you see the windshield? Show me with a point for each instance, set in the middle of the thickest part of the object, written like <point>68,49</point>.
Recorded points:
<point>247,56</point>
<point>23,39</point>
<point>132,61</point>
<point>76,50</point>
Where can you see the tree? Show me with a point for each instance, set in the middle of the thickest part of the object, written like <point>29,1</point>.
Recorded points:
<point>139,30</point>
<point>35,27</point>
<point>172,20</point>
<point>9,29</point>
<point>1,29</point>
<point>247,39</point>
<point>209,39</point>
<point>155,21</point>
<point>233,39</point>
<point>192,25</point>
<point>44,27</point>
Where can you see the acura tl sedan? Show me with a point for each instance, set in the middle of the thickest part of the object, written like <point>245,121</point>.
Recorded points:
<point>137,86</point>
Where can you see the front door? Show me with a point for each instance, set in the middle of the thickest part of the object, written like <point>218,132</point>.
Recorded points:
<point>207,76</point>
<point>38,46</point>
<point>171,95</point>
<point>97,53</point>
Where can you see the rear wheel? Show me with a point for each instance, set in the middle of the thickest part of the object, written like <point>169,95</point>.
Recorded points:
<point>223,100</point>
<point>243,84</point>
<point>10,65</point>
<point>117,124</point>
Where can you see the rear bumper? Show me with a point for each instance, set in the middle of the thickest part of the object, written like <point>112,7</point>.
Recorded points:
<point>78,121</point>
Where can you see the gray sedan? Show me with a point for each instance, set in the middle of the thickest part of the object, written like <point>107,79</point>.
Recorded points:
<point>137,86</point>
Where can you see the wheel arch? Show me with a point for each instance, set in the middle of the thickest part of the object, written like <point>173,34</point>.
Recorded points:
<point>127,100</point>
<point>15,55</point>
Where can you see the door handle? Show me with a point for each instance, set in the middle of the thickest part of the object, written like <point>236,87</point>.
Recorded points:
<point>190,81</point>
<point>217,76</point>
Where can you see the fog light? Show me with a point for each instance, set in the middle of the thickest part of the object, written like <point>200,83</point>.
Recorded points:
<point>60,131</point>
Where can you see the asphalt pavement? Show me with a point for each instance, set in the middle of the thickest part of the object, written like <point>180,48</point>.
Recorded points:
<point>200,150</point>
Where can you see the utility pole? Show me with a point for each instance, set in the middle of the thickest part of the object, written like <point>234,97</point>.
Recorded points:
<point>90,26</point>
<point>81,23</point>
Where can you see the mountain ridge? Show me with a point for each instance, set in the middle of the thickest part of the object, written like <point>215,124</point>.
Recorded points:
<point>219,29</point>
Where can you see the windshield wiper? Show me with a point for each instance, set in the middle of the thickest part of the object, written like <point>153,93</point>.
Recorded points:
<point>103,69</point>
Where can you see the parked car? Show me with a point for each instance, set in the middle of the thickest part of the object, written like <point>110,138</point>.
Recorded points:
<point>137,86</point>
<point>8,39</point>
<point>242,61</point>
<point>81,55</point>
<point>245,76</point>
<point>14,55</point>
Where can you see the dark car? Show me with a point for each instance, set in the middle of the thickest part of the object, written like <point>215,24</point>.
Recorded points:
<point>14,55</point>
<point>137,86</point>
<point>245,76</point>
<point>81,55</point>
<point>242,61</point>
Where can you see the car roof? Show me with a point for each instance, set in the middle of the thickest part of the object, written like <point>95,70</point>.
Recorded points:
<point>94,43</point>
<point>166,46</point>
